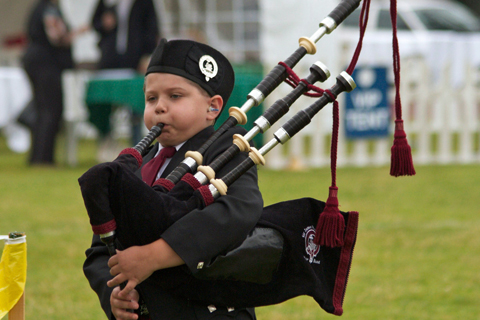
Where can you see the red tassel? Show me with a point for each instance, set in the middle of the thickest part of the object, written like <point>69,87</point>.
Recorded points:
<point>401,161</point>
<point>331,224</point>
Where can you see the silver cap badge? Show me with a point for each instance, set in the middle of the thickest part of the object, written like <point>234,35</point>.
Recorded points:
<point>208,66</point>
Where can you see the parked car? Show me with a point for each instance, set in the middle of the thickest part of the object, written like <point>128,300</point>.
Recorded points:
<point>417,15</point>
<point>441,34</point>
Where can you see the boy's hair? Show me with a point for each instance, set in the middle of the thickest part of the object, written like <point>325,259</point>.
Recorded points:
<point>196,62</point>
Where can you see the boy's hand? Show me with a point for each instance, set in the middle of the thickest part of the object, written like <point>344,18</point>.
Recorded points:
<point>137,263</point>
<point>120,305</point>
<point>130,265</point>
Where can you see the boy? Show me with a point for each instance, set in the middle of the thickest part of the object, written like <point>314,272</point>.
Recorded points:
<point>186,87</point>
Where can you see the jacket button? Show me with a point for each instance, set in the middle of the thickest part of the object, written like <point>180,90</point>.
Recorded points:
<point>211,308</point>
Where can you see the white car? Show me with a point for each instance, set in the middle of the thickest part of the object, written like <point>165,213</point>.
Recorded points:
<point>444,33</point>
<point>418,15</point>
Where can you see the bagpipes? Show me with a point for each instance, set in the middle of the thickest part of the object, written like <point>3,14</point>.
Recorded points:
<point>299,247</point>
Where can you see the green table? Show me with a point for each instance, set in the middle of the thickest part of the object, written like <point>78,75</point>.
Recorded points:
<point>125,92</point>
<point>101,93</point>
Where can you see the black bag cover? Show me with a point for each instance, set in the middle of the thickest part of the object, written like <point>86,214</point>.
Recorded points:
<point>304,268</point>
<point>287,262</point>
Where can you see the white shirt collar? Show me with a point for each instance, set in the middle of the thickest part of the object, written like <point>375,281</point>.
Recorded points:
<point>167,161</point>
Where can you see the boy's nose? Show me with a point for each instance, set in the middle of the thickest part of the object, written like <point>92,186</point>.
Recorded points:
<point>161,107</point>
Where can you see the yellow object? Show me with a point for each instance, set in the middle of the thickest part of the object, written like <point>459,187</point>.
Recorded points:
<point>13,273</point>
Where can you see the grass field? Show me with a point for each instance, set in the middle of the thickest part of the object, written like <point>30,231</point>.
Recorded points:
<point>417,254</point>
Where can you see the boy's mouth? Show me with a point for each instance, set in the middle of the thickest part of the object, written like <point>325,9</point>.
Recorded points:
<point>166,128</point>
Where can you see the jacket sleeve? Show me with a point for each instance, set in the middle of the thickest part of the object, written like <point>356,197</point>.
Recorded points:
<point>202,235</point>
<point>97,272</point>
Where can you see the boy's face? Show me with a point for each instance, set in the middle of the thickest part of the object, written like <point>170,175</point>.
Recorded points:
<point>179,104</point>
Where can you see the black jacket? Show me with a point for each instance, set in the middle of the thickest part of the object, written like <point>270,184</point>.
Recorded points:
<point>39,50</point>
<point>143,35</point>
<point>199,236</point>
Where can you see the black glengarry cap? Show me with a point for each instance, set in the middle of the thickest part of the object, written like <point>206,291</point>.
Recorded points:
<point>197,62</point>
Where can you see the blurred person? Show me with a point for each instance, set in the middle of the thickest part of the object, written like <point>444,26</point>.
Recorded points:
<point>47,54</point>
<point>129,32</point>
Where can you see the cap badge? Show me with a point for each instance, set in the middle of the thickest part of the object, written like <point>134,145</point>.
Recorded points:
<point>208,66</point>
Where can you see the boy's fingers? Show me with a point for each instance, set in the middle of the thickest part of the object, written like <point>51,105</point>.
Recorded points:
<point>113,261</point>
<point>116,281</point>
<point>114,271</point>
<point>124,314</point>
<point>125,303</point>
<point>131,284</point>
<point>128,305</point>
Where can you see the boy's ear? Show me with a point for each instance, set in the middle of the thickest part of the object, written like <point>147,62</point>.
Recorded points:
<point>215,107</point>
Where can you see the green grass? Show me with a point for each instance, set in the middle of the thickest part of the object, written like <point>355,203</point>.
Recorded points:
<point>417,254</point>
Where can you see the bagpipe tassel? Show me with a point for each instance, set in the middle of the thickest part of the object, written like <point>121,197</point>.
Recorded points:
<point>401,161</point>
<point>331,224</point>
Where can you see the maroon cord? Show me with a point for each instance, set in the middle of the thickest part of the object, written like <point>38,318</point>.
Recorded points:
<point>396,59</point>
<point>401,163</point>
<point>293,80</point>
<point>363,26</point>
<point>331,224</point>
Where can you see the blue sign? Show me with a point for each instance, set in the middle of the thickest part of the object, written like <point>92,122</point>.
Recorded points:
<point>367,113</point>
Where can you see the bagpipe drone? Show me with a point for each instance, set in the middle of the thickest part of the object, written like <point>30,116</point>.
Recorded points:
<point>305,246</point>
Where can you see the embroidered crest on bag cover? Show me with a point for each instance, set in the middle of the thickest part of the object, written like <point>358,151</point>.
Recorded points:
<point>311,248</point>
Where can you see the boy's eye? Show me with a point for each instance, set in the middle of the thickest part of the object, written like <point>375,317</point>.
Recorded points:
<point>175,96</point>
